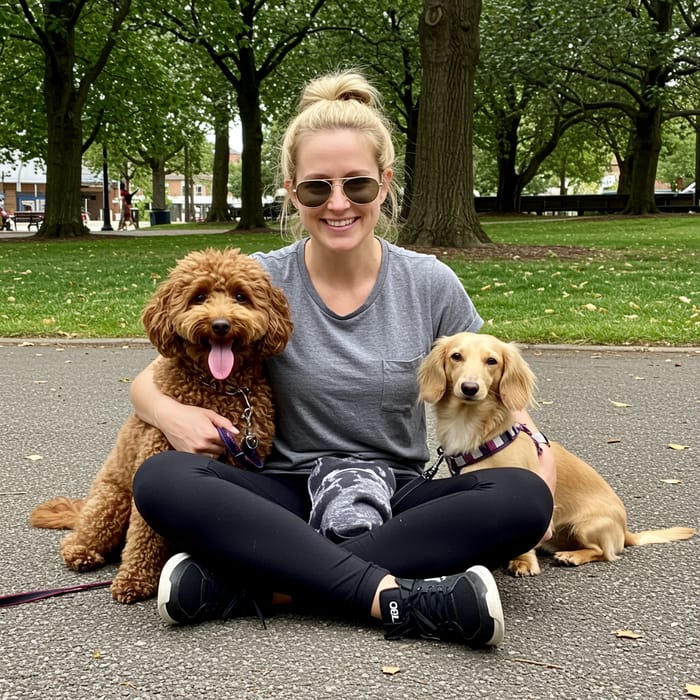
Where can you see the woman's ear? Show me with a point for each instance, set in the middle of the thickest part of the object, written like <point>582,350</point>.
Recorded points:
<point>289,186</point>
<point>387,176</point>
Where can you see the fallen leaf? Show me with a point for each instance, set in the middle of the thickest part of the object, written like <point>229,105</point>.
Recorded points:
<point>675,446</point>
<point>692,690</point>
<point>390,670</point>
<point>619,404</point>
<point>34,458</point>
<point>628,634</point>
<point>125,380</point>
<point>612,441</point>
<point>671,481</point>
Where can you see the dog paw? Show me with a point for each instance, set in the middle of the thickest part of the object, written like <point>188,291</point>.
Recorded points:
<point>566,558</point>
<point>80,558</point>
<point>524,564</point>
<point>130,589</point>
<point>520,568</point>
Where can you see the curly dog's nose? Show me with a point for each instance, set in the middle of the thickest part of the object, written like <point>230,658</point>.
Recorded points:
<point>220,326</point>
<point>469,388</point>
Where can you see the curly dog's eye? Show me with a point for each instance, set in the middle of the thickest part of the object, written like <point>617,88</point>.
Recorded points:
<point>241,298</point>
<point>199,298</point>
<point>456,356</point>
<point>491,361</point>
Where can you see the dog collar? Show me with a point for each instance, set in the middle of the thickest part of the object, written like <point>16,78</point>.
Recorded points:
<point>456,463</point>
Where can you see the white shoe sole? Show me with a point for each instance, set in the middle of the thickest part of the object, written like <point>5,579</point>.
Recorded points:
<point>493,603</point>
<point>165,587</point>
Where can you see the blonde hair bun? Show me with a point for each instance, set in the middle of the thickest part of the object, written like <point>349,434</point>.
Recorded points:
<point>343,86</point>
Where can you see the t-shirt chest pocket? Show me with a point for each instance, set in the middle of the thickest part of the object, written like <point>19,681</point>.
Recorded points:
<point>400,384</point>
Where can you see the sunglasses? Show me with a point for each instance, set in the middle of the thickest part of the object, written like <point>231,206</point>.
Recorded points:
<point>359,190</point>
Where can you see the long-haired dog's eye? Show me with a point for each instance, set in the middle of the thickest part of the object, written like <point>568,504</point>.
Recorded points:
<point>241,298</point>
<point>456,356</point>
<point>492,361</point>
<point>199,298</point>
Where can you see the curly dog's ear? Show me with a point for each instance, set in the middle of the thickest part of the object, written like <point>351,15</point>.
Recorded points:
<point>280,326</point>
<point>432,377</point>
<point>517,385</point>
<point>157,320</point>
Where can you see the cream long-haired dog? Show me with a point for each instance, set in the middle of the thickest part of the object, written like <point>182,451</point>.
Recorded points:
<point>476,382</point>
<point>213,320</point>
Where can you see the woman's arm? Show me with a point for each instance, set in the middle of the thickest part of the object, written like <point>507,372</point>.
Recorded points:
<point>187,428</point>
<point>547,470</point>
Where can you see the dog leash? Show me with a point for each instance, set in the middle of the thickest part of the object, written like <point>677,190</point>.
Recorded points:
<point>246,454</point>
<point>412,485</point>
<point>7,601</point>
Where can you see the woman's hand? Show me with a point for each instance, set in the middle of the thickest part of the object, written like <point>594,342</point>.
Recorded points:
<point>191,428</point>
<point>187,428</point>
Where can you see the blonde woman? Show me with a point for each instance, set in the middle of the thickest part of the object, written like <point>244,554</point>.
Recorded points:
<point>365,313</point>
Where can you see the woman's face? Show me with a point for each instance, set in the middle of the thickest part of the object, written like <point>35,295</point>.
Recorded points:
<point>338,223</point>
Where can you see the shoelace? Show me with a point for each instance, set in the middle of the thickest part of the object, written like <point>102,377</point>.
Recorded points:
<point>428,606</point>
<point>218,592</point>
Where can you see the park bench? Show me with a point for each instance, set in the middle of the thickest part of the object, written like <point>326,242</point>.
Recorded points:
<point>31,218</point>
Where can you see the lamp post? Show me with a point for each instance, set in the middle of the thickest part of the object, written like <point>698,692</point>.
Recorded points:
<point>106,211</point>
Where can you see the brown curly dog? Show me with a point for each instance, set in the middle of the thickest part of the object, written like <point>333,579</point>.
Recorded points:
<point>213,320</point>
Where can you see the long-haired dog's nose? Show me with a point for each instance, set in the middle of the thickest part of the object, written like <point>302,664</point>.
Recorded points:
<point>220,326</point>
<point>469,388</point>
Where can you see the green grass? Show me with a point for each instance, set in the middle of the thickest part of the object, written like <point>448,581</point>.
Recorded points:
<point>637,283</point>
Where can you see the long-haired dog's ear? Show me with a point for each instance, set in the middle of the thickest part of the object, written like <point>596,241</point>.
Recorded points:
<point>517,385</point>
<point>432,378</point>
<point>157,320</point>
<point>280,327</point>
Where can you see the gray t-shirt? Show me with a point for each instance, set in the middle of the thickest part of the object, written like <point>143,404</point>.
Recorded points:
<point>347,385</point>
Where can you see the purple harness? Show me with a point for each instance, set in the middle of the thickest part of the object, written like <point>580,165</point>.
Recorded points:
<point>456,463</point>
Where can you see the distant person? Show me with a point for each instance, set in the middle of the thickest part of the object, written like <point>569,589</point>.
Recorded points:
<point>6,219</point>
<point>127,217</point>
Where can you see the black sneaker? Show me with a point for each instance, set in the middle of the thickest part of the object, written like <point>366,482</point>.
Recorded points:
<point>463,608</point>
<point>189,593</point>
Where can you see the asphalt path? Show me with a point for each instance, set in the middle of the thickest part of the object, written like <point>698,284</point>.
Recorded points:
<point>62,405</point>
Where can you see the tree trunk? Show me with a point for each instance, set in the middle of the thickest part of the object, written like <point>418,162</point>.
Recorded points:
<point>443,210</point>
<point>509,189</point>
<point>157,166</point>
<point>645,157</point>
<point>248,97</point>
<point>219,210</point>
<point>65,138</point>
<point>646,142</point>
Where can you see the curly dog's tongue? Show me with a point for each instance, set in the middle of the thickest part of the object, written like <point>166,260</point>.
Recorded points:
<point>220,359</point>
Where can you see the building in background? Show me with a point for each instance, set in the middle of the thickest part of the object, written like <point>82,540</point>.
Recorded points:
<point>23,188</point>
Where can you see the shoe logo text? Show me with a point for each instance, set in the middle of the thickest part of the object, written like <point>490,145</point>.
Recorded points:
<point>394,611</point>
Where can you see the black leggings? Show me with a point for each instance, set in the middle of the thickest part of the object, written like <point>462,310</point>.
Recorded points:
<point>254,526</point>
